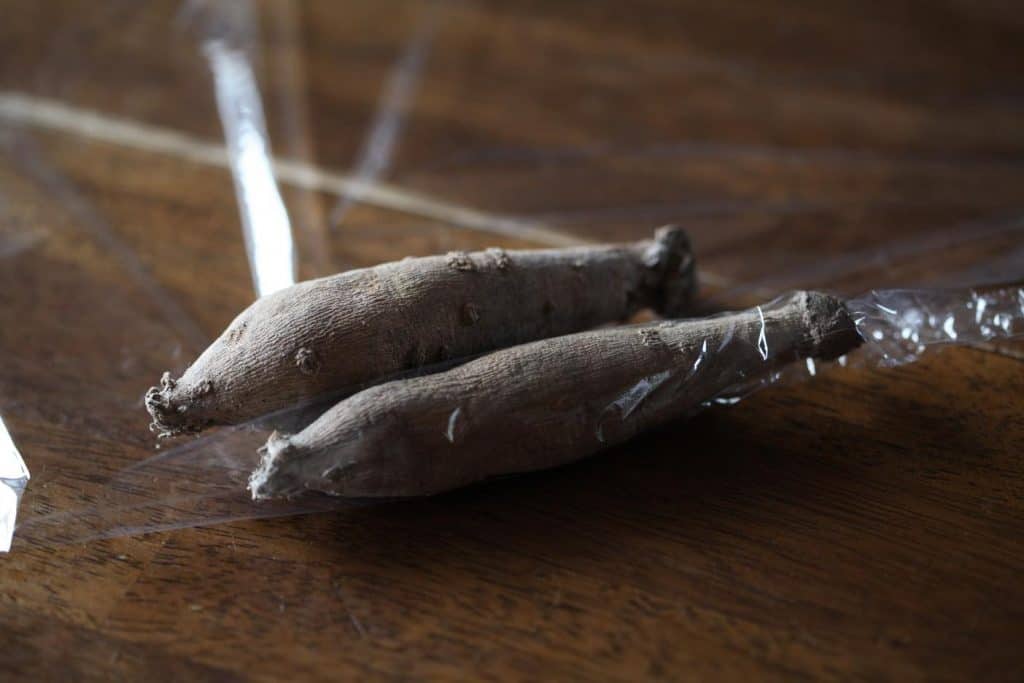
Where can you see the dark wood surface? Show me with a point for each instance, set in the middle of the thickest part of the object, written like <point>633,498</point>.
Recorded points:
<point>869,524</point>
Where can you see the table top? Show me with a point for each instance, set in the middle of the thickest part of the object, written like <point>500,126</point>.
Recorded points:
<point>866,524</point>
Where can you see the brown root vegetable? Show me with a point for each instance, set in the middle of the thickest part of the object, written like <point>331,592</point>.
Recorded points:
<point>334,334</point>
<point>543,404</point>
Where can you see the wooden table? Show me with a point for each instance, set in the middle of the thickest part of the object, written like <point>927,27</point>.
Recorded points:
<point>867,525</point>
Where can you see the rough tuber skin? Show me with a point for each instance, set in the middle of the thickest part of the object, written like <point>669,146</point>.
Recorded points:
<point>543,404</point>
<point>334,334</point>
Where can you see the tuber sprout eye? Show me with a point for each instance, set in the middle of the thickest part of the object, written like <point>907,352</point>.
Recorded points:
<point>307,361</point>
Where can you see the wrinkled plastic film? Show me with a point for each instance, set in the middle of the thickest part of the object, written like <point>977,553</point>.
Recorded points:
<point>14,478</point>
<point>737,355</point>
<point>902,324</point>
<point>204,481</point>
<point>899,326</point>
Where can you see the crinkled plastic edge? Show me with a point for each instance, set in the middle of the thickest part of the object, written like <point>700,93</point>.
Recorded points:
<point>14,478</point>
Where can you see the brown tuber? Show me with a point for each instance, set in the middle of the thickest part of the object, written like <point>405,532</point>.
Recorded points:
<point>543,404</point>
<point>332,335</point>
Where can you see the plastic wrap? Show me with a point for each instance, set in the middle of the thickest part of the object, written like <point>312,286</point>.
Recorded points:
<point>206,480</point>
<point>13,480</point>
<point>902,324</point>
<point>246,126</point>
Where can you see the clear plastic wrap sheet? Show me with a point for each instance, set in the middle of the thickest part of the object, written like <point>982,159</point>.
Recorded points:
<point>206,480</point>
<point>286,151</point>
<point>900,325</point>
<point>13,480</point>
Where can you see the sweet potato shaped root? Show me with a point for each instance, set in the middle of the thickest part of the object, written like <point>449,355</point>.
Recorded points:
<point>543,404</point>
<point>331,335</point>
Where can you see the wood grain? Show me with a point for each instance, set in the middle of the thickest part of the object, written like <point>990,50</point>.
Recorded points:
<point>866,525</point>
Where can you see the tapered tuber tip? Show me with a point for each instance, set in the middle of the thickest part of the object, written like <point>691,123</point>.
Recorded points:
<point>173,409</point>
<point>831,332</point>
<point>674,270</point>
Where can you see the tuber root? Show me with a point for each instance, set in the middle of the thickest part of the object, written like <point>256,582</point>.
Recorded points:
<point>543,404</point>
<point>331,335</point>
